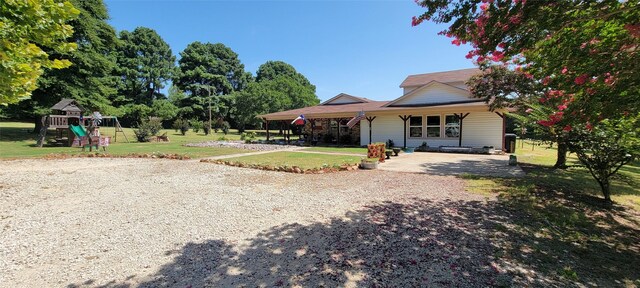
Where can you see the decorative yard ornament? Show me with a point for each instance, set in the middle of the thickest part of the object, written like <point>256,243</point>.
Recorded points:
<point>96,118</point>
<point>299,121</point>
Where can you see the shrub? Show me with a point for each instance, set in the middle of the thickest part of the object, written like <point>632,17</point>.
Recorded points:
<point>248,136</point>
<point>345,139</point>
<point>327,138</point>
<point>222,138</point>
<point>147,129</point>
<point>206,129</point>
<point>196,125</point>
<point>181,125</point>
<point>225,127</point>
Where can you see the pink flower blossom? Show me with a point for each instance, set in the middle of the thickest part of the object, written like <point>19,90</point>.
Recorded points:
<point>497,56</point>
<point>562,107</point>
<point>589,126</point>
<point>529,110</point>
<point>455,42</point>
<point>566,128</point>
<point>581,79</point>
<point>484,6</point>
<point>564,70</point>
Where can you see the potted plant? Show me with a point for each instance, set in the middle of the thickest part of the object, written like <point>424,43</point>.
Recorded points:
<point>369,163</point>
<point>396,150</point>
<point>488,150</point>
<point>388,153</point>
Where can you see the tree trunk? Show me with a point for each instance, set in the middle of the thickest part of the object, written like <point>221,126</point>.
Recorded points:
<point>561,160</point>
<point>606,190</point>
<point>38,122</point>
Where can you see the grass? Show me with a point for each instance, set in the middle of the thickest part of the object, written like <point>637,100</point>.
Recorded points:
<point>300,159</point>
<point>557,224</point>
<point>17,141</point>
<point>351,150</point>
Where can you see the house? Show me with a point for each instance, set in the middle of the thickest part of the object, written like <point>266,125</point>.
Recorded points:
<point>436,108</point>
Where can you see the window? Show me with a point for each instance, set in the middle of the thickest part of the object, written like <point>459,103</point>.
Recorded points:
<point>433,126</point>
<point>451,126</point>
<point>415,126</point>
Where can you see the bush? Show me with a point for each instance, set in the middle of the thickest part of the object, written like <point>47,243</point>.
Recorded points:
<point>181,125</point>
<point>147,129</point>
<point>206,129</point>
<point>222,138</point>
<point>345,139</point>
<point>196,125</point>
<point>225,127</point>
<point>327,138</point>
<point>248,136</point>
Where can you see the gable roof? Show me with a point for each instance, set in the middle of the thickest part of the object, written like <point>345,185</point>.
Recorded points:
<point>461,75</point>
<point>345,95</point>
<point>67,104</point>
<point>415,91</point>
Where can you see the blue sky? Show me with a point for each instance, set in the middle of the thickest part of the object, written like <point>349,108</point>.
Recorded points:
<point>363,48</point>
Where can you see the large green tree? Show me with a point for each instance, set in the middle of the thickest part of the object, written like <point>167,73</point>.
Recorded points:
<point>26,27</point>
<point>278,87</point>
<point>145,64</point>
<point>91,79</point>
<point>210,69</point>
<point>583,53</point>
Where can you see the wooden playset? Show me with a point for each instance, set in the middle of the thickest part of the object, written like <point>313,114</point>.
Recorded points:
<point>75,130</point>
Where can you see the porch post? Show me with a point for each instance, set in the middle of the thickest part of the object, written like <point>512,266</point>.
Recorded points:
<point>267,126</point>
<point>504,129</point>
<point>370,119</point>
<point>461,117</point>
<point>312,122</point>
<point>404,119</point>
<point>338,137</point>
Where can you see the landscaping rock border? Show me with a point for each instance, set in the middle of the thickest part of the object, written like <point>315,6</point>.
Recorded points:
<point>171,156</point>
<point>288,169</point>
<point>241,145</point>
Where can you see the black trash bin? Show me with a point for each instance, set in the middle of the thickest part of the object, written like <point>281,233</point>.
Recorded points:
<point>510,143</point>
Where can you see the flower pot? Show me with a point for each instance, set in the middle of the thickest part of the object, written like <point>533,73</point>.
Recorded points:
<point>388,153</point>
<point>368,165</point>
<point>408,150</point>
<point>396,151</point>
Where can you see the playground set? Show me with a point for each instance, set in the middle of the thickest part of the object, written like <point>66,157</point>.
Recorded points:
<point>75,130</point>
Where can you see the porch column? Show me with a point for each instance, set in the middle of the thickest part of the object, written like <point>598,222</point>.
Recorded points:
<point>404,119</point>
<point>312,122</point>
<point>370,119</point>
<point>338,137</point>
<point>461,117</point>
<point>504,129</point>
<point>267,126</point>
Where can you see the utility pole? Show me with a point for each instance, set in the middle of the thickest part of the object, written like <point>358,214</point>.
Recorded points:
<point>209,91</point>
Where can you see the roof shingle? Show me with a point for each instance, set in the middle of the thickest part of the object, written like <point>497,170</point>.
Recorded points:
<point>443,77</point>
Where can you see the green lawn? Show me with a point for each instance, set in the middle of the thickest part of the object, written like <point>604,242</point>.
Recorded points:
<point>349,150</point>
<point>539,159</point>
<point>17,141</point>
<point>558,215</point>
<point>300,159</point>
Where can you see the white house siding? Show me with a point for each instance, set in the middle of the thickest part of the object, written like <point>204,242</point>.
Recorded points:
<point>435,93</point>
<point>478,129</point>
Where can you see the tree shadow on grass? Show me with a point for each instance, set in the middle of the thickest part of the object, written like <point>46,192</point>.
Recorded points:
<point>425,243</point>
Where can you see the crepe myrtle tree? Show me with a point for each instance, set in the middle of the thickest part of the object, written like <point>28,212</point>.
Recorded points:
<point>584,55</point>
<point>605,147</point>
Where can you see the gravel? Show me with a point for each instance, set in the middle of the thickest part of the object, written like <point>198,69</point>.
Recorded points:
<point>241,145</point>
<point>154,222</point>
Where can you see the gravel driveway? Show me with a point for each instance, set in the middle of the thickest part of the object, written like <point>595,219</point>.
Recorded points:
<point>154,222</point>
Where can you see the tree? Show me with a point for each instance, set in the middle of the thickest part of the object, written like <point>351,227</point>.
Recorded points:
<point>145,64</point>
<point>26,27</point>
<point>267,96</point>
<point>584,53</point>
<point>205,65</point>
<point>90,80</point>
<point>606,147</point>
<point>502,87</point>
<point>274,69</point>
